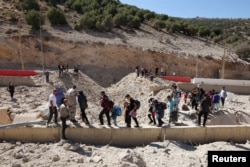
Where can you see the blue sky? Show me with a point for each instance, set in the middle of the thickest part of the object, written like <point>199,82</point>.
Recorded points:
<point>193,8</point>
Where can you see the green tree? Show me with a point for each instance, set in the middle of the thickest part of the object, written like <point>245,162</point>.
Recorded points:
<point>162,17</point>
<point>56,16</point>
<point>35,19</point>
<point>149,15</point>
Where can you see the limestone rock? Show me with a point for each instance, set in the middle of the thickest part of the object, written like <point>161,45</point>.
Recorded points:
<point>185,107</point>
<point>18,155</point>
<point>133,159</point>
<point>55,158</point>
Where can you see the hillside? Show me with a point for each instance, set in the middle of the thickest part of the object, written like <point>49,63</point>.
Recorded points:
<point>108,56</point>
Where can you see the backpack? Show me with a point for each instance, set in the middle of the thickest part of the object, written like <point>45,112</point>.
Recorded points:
<point>83,101</point>
<point>163,105</point>
<point>111,103</point>
<point>138,103</point>
<point>117,110</point>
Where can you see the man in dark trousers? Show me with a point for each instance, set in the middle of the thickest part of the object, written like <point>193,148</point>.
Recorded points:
<point>11,89</point>
<point>204,109</point>
<point>64,110</point>
<point>132,109</point>
<point>83,104</point>
<point>52,107</point>
<point>151,111</point>
<point>106,107</point>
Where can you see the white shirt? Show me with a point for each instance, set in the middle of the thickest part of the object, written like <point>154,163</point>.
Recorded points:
<point>71,95</point>
<point>52,98</point>
<point>223,93</point>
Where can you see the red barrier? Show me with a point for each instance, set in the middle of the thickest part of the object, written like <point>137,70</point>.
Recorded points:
<point>5,72</point>
<point>177,78</point>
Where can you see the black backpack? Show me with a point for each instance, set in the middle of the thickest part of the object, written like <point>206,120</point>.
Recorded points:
<point>163,105</point>
<point>138,104</point>
<point>111,103</point>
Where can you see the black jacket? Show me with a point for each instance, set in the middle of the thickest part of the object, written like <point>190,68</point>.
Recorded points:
<point>205,104</point>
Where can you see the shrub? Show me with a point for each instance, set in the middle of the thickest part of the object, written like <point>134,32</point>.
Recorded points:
<point>244,52</point>
<point>158,24</point>
<point>52,2</point>
<point>87,21</point>
<point>35,19</point>
<point>120,20</point>
<point>12,16</point>
<point>29,5</point>
<point>56,16</point>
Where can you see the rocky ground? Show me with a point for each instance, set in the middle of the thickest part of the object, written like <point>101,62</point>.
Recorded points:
<point>67,153</point>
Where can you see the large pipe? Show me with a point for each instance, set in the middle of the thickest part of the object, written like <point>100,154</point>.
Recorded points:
<point>128,137</point>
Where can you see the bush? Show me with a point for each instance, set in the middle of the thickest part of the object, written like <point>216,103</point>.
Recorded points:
<point>149,15</point>
<point>204,32</point>
<point>87,21</point>
<point>35,19</point>
<point>120,20</point>
<point>52,2</point>
<point>12,16</point>
<point>158,24</point>
<point>56,16</point>
<point>244,52</point>
<point>29,5</point>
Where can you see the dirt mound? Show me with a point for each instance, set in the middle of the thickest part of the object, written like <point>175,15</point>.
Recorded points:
<point>224,117</point>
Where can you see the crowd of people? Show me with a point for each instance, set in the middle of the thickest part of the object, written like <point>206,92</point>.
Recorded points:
<point>200,100</point>
<point>149,73</point>
<point>209,101</point>
<point>66,106</point>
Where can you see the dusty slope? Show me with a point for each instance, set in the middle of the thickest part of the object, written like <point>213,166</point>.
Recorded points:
<point>110,56</point>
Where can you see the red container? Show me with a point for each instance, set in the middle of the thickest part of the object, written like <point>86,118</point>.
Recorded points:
<point>177,79</point>
<point>5,72</point>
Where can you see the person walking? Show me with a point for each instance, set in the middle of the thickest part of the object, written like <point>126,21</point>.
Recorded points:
<point>127,116</point>
<point>194,98</point>
<point>204,109</point>
<point>52,108</point>
<point>106,108</point>
<point>116,111</point>
<point>132,109</point>
<point>83,104</point>
<point>71,96</point>
<point>137,71</point>
<point>11,89</point>
<point>64,111</point>
<point>156,71</point>
<point>185,96</point>
<point>46,73</point>
<point>223,95</point>
<point>151,114</point>
<point>172,110</point>
<point>158,108</point>
<point>215,102</point>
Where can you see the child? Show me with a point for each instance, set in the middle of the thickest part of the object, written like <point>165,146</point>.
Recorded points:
<point>116,111</point>
<point>185,97</point>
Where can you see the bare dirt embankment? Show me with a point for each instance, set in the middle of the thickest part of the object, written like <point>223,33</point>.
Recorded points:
<point>107,57</point>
